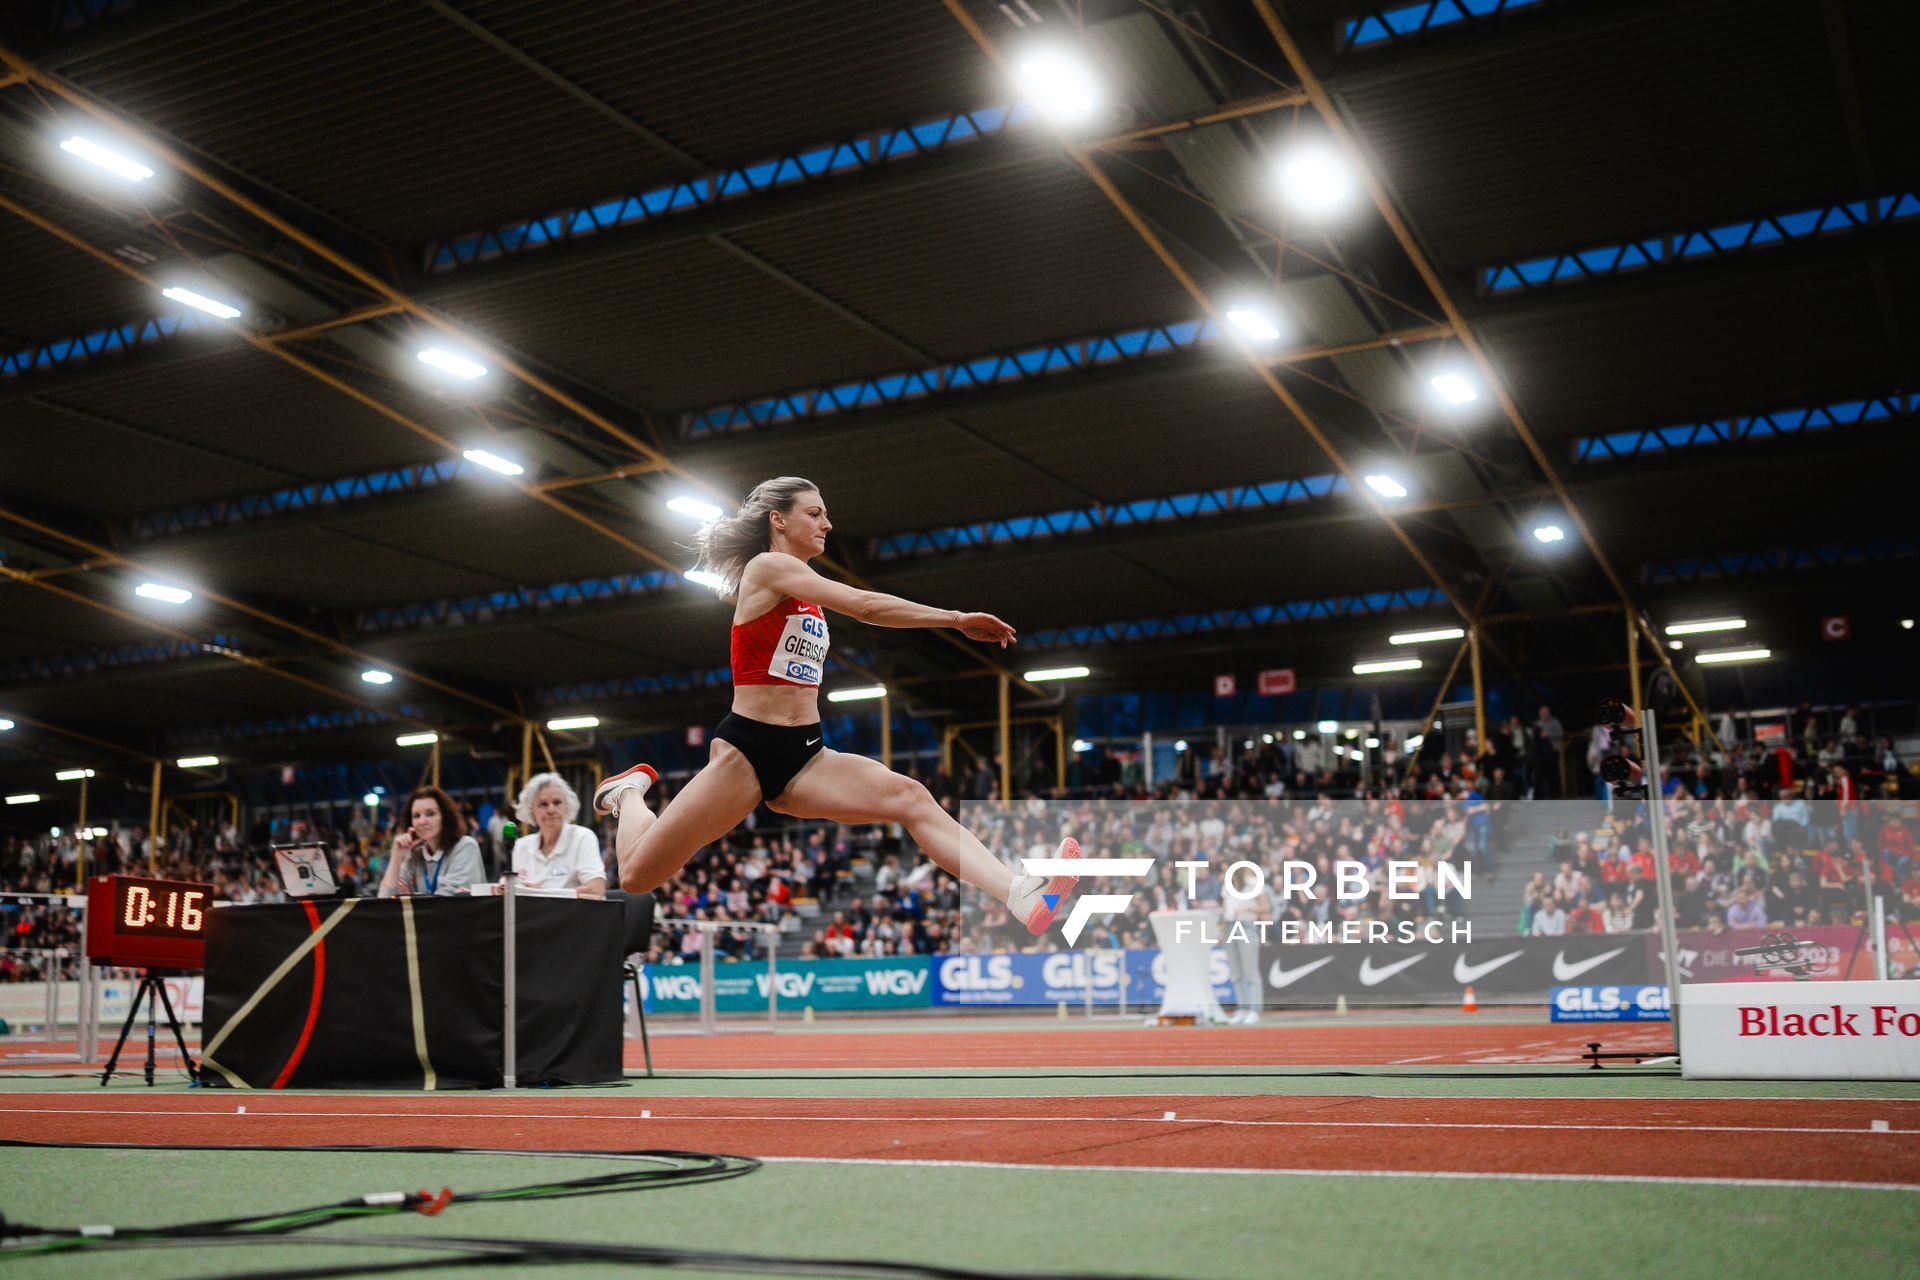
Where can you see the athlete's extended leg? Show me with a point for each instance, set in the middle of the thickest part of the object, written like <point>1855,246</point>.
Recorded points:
<point>651,849</point>
<point>848,788</point>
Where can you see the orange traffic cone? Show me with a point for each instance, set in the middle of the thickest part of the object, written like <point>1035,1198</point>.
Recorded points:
<point>1469,1004</point>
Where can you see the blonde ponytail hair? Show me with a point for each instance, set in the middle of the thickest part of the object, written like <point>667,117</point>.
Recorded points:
<point>725,546</point>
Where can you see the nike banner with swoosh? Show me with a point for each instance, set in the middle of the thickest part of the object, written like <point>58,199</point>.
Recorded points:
<point>1500,968</point>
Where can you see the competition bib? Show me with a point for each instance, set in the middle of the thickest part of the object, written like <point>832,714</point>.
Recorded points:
<point>800,655</point>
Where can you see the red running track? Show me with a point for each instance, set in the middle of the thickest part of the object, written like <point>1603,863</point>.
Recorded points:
<point>1837,1140</point>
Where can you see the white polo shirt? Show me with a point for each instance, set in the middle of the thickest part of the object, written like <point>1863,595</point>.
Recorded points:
<point>574,862</point>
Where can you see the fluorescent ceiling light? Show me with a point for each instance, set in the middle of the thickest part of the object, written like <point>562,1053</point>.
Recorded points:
<point>1415,742</point>
<point>1550,533</point>
<point>374,675</point>
<point>1709,624</point>
<point>493,462</point>
<point>1675,644</point>
<point>701,511</point>
<point>156,591</point>
<point>197,762</point>
<point>416,740</point>
<point>1454,388</point>
<point>1386,486</point>
<point>705,579</point>
<point>1328,726</point>
<point>72,775</point>
<point>448,362</point>
<point>1059,84</point>
<point>1081,744</point>
<point>31,797</point>
<point>211,306</point>
<point>1733,655</point>
<point>371,800</point>
<point>99,833</point>
<point>5,725</point>
<point>1351,734</point>
<point>574,722</point>
<point>112,161</point>
<point>1391,664</point>
<point>1255,324</point>
<point>1372,742</point>
<point>863,694</point>
<point>1267,738</point>
<point>1428,637</point>
<point>1059,673</point>
<point>1299,735</point>
<point>1906,624</point>
<point>1316,181</point>
<point>1180,744</point>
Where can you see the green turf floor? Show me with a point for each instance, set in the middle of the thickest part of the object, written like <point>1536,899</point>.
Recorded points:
<point>1205,1225</point>
<point>1382,1082</point>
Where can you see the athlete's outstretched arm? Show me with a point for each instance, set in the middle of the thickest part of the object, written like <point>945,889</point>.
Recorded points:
<point>794,577</point>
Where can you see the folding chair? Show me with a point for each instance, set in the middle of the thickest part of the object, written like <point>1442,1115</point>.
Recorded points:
<point>636,940</point>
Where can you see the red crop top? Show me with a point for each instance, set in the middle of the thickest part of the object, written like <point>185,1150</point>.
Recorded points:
<point>785,645</point>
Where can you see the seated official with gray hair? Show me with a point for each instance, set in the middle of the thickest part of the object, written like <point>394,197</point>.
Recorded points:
<point>560,855</point>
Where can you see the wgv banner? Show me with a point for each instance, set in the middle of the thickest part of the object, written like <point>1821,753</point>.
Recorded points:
<point>1044,978</point>
<point>887,983</point>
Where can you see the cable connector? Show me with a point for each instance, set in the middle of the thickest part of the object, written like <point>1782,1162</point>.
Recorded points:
<point>378,1199</point>
<point>428,1203</point>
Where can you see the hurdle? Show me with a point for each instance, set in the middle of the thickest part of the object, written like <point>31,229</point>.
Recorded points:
<point>708,1018</point>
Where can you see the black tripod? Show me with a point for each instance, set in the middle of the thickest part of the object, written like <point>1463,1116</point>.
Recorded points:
<point>154,992</point>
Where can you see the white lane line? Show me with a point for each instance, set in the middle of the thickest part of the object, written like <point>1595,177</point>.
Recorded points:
<point>1401,1062</point>
<point>967,1119</point>
<point>1663,1179</point>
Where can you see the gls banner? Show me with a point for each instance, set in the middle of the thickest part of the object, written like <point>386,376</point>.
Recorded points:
<point>885,983</point>
<point>1044,978</point>
<point>1645,1003</point>
<point>1507,969</point>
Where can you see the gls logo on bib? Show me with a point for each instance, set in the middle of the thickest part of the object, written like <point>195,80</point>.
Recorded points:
<point>801,653</point>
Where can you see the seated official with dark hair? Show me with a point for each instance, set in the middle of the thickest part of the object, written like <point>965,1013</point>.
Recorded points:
<point>434,854</point>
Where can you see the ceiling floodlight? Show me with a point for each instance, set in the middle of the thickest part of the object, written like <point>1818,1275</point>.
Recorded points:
<point>1267,738</point>
<point>1453,387</point>
<point>1709,624</point>
<point>371,800</point>
<point>1372,743</point>
<point>1906,624</point>
<point>1316,180</point>
<point>416,740</point>
<point>864,694</point>
<point>1299,735</point>
<point>1391,664</point>
<point>1082,745</point>
<point>30,797</point>
<point>705,512</point>
<point>5,725</point>
<point>494,462</point>
<point>448,362</point>
<point>1733,655</point>
<point>161,592</point>
<point>374,675</point>
<point>1254,323</point>
<point>197,762</point>
<point>1550,533</point>
<point>574,722</point>
<point>200,301</point>
<point>1328,726</point>
<point>1675,644</point>
<point>1059,84</point>
<point>1180,744</point>
<point>712,581</point>
<point>1428,637</point>
<point>106,158</point>
<point>72,775</point>
<point>1059,673</point>
<point>1386,486</point>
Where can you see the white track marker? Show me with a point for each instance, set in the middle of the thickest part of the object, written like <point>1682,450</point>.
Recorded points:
<point>1878,1126</point>
<point>646,1115</point>
<point>1169,1116</point>
<point>239,1111</point>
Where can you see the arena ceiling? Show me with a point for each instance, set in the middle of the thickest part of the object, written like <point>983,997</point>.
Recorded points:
<point>1672,246</point>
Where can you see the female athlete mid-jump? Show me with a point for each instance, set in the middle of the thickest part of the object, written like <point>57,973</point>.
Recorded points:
<point>769,747</point>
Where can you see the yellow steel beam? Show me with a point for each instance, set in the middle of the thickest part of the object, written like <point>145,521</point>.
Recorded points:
<point>1219,115</point>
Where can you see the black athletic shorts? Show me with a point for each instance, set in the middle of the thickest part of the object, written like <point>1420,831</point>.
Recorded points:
<point>776,751</point>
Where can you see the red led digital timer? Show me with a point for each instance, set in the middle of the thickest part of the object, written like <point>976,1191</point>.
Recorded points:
<point>147,924</point>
